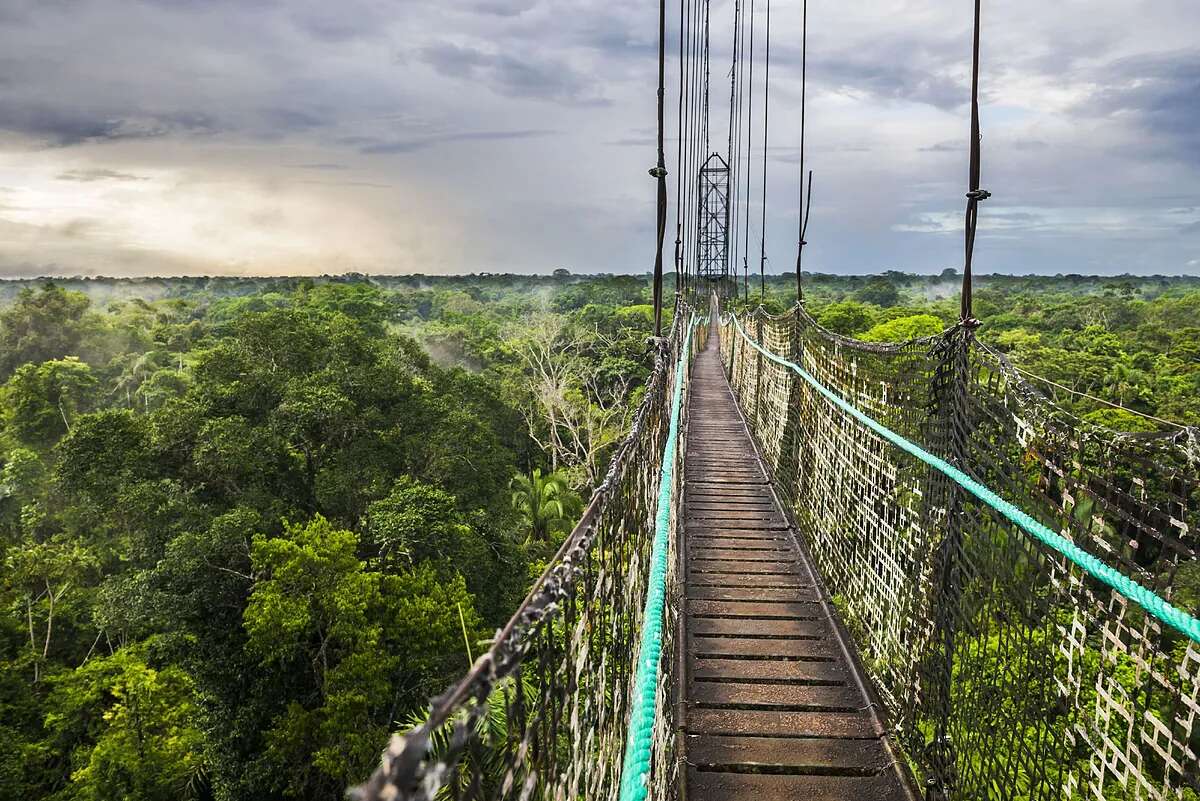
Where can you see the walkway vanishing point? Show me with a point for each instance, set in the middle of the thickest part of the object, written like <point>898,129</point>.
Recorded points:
<point>775,705</point>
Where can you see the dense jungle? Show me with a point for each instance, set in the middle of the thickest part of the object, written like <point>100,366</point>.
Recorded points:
<point>248,527</point>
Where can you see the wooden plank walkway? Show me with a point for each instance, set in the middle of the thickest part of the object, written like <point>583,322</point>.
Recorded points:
<point>773,708</point>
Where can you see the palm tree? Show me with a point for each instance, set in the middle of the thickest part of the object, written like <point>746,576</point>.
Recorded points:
<point>545,503</point>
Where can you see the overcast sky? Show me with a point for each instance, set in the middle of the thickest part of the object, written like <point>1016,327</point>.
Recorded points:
<point>307,136</point>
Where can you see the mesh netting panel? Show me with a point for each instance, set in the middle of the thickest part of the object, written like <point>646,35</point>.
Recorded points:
<point>1007,672</point>
<point>544,714</point>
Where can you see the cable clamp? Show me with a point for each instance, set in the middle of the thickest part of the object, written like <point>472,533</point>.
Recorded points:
<point>658,172</point>
<point>978,194</point>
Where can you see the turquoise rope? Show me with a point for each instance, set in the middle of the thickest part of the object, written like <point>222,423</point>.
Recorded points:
<point>1158,607</point>
<point>638,746</point>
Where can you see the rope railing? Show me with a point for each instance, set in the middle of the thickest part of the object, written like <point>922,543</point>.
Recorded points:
<point>545,711</point>
<point>1021,586</point>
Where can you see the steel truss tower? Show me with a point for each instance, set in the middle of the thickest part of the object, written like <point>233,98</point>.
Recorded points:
<point>713,236</point>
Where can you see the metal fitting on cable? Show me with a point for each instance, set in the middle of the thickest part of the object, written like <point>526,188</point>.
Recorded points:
<point>658,172</point>
<point>978,194</point>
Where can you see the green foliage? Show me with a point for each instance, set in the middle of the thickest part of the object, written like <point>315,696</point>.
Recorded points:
<point>145,743</point>
<point>903,329</point>
<point>847,317</point>
<point>1119,420</point>
<point>546,506</point>
<point>880,292</point>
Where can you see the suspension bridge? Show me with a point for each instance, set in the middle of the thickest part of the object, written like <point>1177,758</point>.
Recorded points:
<point>820,568</point>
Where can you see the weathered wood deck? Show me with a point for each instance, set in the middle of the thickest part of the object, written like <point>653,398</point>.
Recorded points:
<point>773,706</point>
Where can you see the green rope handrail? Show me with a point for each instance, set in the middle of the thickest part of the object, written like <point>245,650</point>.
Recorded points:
<point>638,746</point>
<point>1149,600</point>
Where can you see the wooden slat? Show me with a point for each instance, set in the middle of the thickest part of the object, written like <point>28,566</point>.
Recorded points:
<point>758,723</point>
<point>768,671</point>
<point>802,610</point>
<point>725,786</point>
<point>758,627</point>
<point>817,755</point>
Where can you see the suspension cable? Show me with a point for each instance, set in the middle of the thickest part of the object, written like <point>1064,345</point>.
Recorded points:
<point>805,197</point>
<point>762,261</point>
<point>659,171</point>
<point>680,279</point>
<point>975,194</point>
<point>733,76</point>
<point>735,159</point>
<point>707,140</point>
<point>749,157</point>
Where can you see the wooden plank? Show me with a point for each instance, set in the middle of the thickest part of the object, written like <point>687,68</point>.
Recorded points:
<point>769,671</point>
<point>759,627</point>
<point>826,756</point>
<point>783,697</point>
<point>800,610</point>
<point>747,582</point>
<point>759,723</point>
<point>752,553</point>
<point>734,567</point>
<point>751,594</point>
<point>725,786</point>
<point>756,648</point>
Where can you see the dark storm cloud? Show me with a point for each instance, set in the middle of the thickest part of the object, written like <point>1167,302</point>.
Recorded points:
<point>62,126</point>
<point>870,75</point>
<point>1160,91</point>
<point>918,70</point>
<point>515,76</point>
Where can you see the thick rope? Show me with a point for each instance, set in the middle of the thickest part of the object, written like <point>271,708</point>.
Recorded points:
<point>1156,606</point>
<point>635,770</point>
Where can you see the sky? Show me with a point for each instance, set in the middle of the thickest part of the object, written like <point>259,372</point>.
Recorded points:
<point>268,137</point>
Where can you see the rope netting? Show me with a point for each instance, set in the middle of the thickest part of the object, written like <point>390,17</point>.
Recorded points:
<point>1011,666</point>
<point>544,714</point>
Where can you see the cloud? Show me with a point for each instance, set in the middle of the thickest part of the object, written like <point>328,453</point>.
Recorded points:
<point>98,174</point>
<point>513,76</point>
<point>1160,92</point>
<point>421,143</point>
<point>61,126</point>
<point>1090,133</point>
<point>322,165</point>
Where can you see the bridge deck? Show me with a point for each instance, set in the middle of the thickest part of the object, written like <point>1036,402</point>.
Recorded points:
<point>774,708</point>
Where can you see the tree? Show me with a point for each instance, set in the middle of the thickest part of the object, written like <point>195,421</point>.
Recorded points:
<point>42,400</point>
<point>847,318</point>
<point>41,326</point>
<point>547,507</point>
<point>879,291</point>
<point>40,579</point>
<point>311,610</point>
<point>146,745</point>
<point>417,523</point>
<point>903,329</point>
<point>316,611</point>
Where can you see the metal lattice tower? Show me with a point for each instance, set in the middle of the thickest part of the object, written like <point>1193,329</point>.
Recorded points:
<point>713,235</point>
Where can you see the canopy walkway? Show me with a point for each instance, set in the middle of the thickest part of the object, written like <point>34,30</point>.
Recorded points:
<point>827,569</point>
<point>774,707</point>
